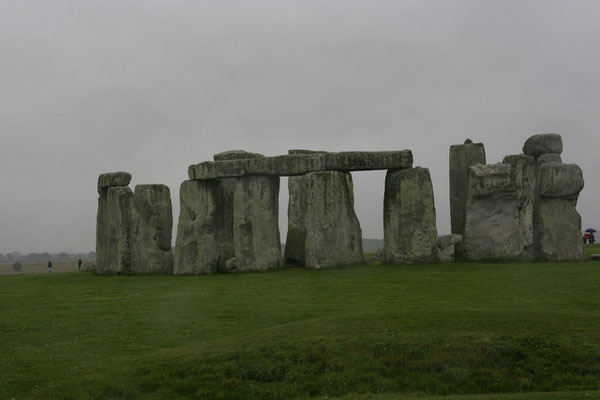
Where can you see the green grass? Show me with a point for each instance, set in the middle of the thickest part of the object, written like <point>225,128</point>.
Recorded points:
<point>592,248</point>
<point>394,331</point>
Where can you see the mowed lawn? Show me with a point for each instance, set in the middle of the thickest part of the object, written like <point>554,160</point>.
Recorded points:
<point>371,331</point>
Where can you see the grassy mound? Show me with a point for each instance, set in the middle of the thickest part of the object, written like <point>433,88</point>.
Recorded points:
<point>459,330</point>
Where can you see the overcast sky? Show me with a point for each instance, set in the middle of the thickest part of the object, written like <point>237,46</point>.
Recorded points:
<point>151,87</point>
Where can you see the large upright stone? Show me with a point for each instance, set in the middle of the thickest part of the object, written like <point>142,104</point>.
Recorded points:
<point>199,240</point>
<point>152,230</point>
<point>492,216</point>
<point>462,156</point>
<point>227,261</point>
<point>113,229</point>
<point>523,172</point>
<point>557,224</point>
<point>323,229</point>
<point>547,143</point>
<point>409,225</point>
<point>255,223</point>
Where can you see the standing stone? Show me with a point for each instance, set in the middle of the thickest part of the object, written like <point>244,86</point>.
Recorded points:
<point>227,261</point>
<point>523,172</point>
<point>113,229</point>
<point>324,230</point>
<point>255,223</point>
<point>462,156</point>
<point>492,218</point>
<point>557,224</point>
<point>410,232</point>
<point>547,143</point>
<point>198,247</point>
<point>152,230</point>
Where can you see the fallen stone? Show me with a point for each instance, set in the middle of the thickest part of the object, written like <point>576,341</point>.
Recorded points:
<point>198,245</point>
<point>110,179</point>
<point>547,143</point>
<point>595,257</point>
<point>492,216</point>
<point>113,230</point>
<point>88,267</point>
<point>151,231</point>
<point>556,223</point>
<point>462,156</point>
<point>523,172</point>
<point>255,223</point>
<point>409,225</point>
<point>446,245</point>
<point>231,264</point>
<point>333,233</point>
<point>300,163</point>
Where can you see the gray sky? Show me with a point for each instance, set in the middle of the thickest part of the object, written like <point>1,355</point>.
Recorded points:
<point>151,87</point>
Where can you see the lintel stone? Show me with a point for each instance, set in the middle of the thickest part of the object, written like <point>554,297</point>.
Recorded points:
<point>302,163</point>
<point>111,179</point>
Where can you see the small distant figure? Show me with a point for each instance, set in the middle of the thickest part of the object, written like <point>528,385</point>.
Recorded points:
<point>49,267</point>
<point>592,239</point>
<point>79,263</point>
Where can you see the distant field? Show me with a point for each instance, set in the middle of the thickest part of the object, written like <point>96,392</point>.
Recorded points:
<point>42,268</point>
<point>397,331</point>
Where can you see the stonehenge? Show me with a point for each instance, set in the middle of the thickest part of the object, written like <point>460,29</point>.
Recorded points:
<point>533,190</point>
<point>409,225</point>
<point>462,156</point>
<point>491,227</point>
<point>133,229</point>
<point>521,209</point>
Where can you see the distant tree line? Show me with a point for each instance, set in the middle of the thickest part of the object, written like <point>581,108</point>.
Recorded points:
<point>15,256</point>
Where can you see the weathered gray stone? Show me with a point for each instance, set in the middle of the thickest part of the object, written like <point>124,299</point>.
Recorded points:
<point>523,172</point>
<point>380,254</point>
<point>225,219</point>
<point>446,245</point>
<point>556,223</point>
<point>255,223</point>
<point>560,180</point>
<point>547,143</point>
<point>236,155</point>
<point>333,233</point>
<point>198,245</point>
<point>113,179</point>
<point>88,267</point>
<point>492,216</point>
<point>113,230</point>
<point>300,163</point>
<point>369,160</point>
<point>151,230</point>
<point>548,158</point>
<point>303,151</point>
<point>409,224</point>
<point>462,156</point>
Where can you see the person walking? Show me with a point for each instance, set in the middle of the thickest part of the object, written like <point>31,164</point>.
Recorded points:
<point>79,262</point>
<point>49,267</point>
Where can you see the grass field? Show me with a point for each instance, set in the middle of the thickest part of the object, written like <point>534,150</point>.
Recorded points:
<point>530,331</point>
